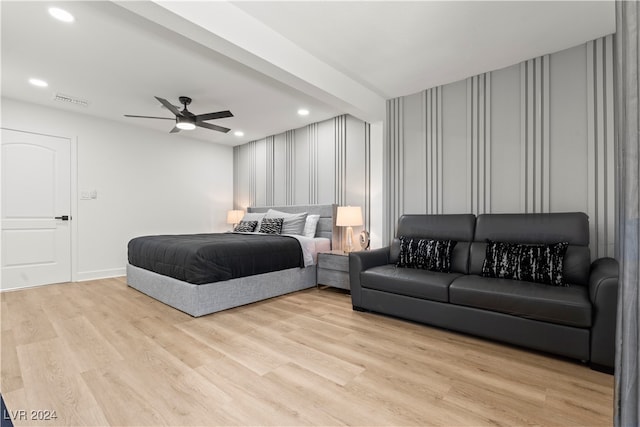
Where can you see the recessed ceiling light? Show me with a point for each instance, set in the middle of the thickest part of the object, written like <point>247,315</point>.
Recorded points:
<point>303,112</point>
<point>38,82</point>
<point>61,14</point>
<point>238,133</point>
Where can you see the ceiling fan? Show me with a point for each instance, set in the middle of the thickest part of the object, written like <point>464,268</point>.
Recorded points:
<point>186,120</point>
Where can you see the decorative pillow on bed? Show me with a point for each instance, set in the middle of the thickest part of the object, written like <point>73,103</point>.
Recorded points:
<point>531,263</point>
<point>293,223</point>
<point>310,226</point>
<point>246,226</point>
<point>271,225</point>
<point>427,254</point>
<point>254,216</point>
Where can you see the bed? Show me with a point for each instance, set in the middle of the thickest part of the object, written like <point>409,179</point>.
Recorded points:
<point>206,298</point>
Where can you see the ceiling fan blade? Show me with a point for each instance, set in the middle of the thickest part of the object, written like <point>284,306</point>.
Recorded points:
<point>150,117</point>
<point>212,127</point>
<point>175,129</point>
<point>169,106</point>
<point>211,116</point>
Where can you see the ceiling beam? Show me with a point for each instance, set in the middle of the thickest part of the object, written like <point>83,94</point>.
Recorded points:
<point>228,30</point>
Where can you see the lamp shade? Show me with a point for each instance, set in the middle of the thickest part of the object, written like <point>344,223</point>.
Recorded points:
<point>349,216</point>
<point>234,216</point>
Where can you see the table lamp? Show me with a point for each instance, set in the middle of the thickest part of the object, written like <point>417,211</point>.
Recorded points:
<point>349,216</point>
<point>234,217</point>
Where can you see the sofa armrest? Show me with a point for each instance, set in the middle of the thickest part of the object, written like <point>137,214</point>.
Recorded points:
<point>603,291</point>
<point>361,261</point>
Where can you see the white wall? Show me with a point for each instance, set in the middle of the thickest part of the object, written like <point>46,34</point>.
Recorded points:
<point>147,183</point>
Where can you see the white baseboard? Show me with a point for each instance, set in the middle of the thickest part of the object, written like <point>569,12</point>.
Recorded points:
<point>83,276</point>
<point>20,287</point>
<point>80,277</point>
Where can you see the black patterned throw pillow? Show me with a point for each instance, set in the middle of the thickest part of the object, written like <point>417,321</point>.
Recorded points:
<point>246,226</point>
<point>426,254</point>
<point>271,225</point>
<point>531,263</point>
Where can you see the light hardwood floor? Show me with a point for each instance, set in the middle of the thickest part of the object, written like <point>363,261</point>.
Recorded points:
<point>100,353</point>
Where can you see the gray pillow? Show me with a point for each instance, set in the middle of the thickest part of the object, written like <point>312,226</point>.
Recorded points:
<point>293,223</point>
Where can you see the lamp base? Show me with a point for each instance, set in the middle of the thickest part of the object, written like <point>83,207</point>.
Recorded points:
<point>349,246</point>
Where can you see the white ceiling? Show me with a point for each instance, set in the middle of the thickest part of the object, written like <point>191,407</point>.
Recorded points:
<point>264,60</point>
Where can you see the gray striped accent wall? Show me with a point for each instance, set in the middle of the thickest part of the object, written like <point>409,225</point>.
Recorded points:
<point>340,141</point>
<point>312,142</point>
<point>394,168</point>
<point>269,178</point>
<point>600,139</point>
<point>366,209</point>
<point>533,137</point>
<point>432,99</point>
<point>479,143</point>
<point>290,181</point>
<point>321,163</point>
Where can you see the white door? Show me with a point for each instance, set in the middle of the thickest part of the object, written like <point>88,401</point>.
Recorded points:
<point>36,209</point>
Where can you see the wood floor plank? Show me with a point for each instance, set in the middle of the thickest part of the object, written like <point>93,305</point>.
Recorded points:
<point>101,353</point>
<point>253,401</point>
<point>89,347</point>
<point>188,349</point>
<point>5,321</point>
<point>39,328</point>
<point>11,374</point>
<point>179,395</point>
<point>313,359</point>
<point>52,383</point>
<point>325,395</point>
<point>122,404</point>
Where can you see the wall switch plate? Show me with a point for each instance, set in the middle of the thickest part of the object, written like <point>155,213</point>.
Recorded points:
<point>89,195</point>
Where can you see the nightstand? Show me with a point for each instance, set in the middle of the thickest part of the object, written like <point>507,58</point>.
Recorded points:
<point>333,269</point>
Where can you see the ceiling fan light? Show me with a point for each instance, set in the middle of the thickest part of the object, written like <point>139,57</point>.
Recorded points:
<point>185,126</point>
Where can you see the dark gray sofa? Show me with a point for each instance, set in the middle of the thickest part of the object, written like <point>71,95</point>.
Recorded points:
<point>577,321</point>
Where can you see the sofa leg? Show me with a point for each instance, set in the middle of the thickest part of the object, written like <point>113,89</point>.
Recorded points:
<point>359,309</point>
<point>601,368</point>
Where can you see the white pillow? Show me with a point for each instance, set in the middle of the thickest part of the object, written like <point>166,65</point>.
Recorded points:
<point>292,224</point>
<point>254,216</point>
<point>310,226</point>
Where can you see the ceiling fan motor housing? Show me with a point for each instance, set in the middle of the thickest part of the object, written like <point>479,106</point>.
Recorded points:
<point>186,120</point>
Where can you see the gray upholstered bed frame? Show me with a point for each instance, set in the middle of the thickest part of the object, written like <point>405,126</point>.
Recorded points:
<point>199,300</point>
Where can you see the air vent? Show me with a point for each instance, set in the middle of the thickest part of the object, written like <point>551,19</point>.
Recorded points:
<point>71,100</point>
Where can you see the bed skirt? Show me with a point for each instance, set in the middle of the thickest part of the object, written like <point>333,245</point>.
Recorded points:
<point>199,300</point>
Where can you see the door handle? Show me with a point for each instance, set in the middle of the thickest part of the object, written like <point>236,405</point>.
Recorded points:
<point>63,217</point>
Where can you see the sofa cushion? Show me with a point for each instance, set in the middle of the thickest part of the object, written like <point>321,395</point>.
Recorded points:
<point>561,305</point>
<point>532,263</point>
<point>427,254</point>
<point>412,282</point>
<point>571,227</point>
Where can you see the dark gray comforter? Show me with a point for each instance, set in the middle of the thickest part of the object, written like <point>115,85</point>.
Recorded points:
<point>207,258</point>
